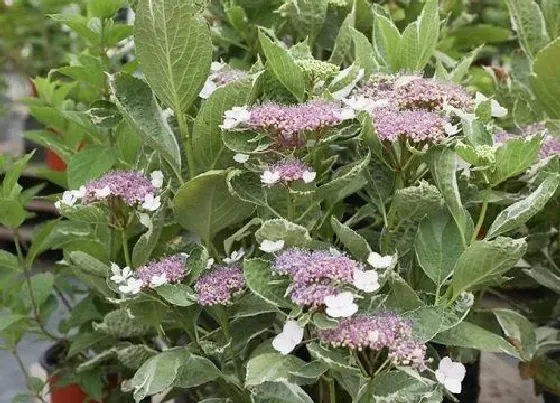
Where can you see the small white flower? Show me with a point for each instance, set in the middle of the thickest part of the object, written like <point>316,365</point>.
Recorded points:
<point>184,255</point>
<point>157,179</point>
<point>346,114</point>
<point>103,193</point>
<point>291,336</point>
<point>309,176</point>
<point>270,177</point>
<point>341,305</point>
<point>235,116</point>
<point>209,263</point>
<point>207,89</point>
<point>132,286</point>
<point>68,198</point>
<point>80,192</point>
<point>497,110</point>
<point>450,374</point>
<point>365,104</point>
<point>118,275</point>
<point>235,256</point>
<point>271,246</point>
<point>377,261</point>
<point>241,158</point>
<point>450,129</point>
<point>157,281</point>
<point>151,202</point>
<point>450,110</point>
<point>145,220</point>
<point>367,281</point>
<point>216,66</point>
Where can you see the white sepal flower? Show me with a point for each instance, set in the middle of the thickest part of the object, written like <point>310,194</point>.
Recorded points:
<point>235,116</point>
<point>241,158</point>
<point>341,305</point>
<point>157,179</point>
<point>132,286</point>
<point>120,276</point>
<point>291,336</point>
<point>157,281</point>
<point>365,104</point>
<point>344,92</point>
<point>309,176</point>
<point>366,280</point>
<point>270,177</point>
<point>346,114</point>
<point>103,193</point>
<point>271,246</point>
<point>450,374</point>
<point>377,261</point>
<point>235,256</point>
<point>497,110</point>
<point>209,263</point>
<point>450,129</point>
<point>207,89</point>
<point>216,66</point>
<point>151,202</point>
<point>68,198</point>
<point>81,192</point>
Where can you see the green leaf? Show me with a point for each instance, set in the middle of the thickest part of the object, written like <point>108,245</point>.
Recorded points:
<point>284,67</point>
<point>12,213</point>
<point>514,157</point>
<point>279,229</point>
<point>427,321</point>
<point>551,12</point>
<point>519,331</point>
<point>527,19</point>
<point>468,335</point>
<point>310,372</point>
<point>343,42</point>
<point>386,41</point>
<point>438,246</point>
<point>280,392</point>
<point>462,68</point>
<point>545,278</point>
<point>263,283</point>
<point>177,294</point>
<point>103,8</point>
<point>138,105</point>
<point>442,163</point>
<point>419,39</point>
<point>42,286</point>
<point>519,213</point>
<point>84,213</point>
<point>396,386</point>
<point>205,206</point>
<point>402,297</point>
<point>271,367</point>
<point>546,81</point>
<point>50,141</point>
<point>89,264</point>
<point>89,164</point>
<point>208,148</point>
<point>12,175</point>
<point>413,203</point>
<point>364,54</point>
<point>7,320</point>
<point>174,49</point>
<point>486,260</point>
<point>195,371</point>
<point>148,240</point>
<point>346,181</point>
<point>333,358</point>
<point>307,16</point>
<point>352,241</point>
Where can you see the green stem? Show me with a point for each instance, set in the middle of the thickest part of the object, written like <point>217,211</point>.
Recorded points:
<point>482,215</point>
<point>381,367</point>
<point>357,358</point>
<point>290,207</point>
<point>184,130</point>
<point>27,377</point>
<point>27,276</point>
<point>438,292</point>
<point>125,249</point>
<point>332,390</point>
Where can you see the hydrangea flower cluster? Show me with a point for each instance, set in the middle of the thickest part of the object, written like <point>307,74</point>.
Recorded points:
<point>288,123</point>
<point>170,269</point>
<point>551,145</point>
<point>132,187</point>
<point>286,171</point>
<point>430,94</point>
<point>218,286</point>
<point>420,126</point>
<point>377,333</point>
<point>220,75</point>
<point>317,69</point>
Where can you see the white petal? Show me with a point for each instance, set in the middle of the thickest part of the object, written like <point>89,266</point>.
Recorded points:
<point>269,177</point>
<point>377,261</point>
<point>115,269</point>
<point>271,246</point>
<point>80,192</point>
<point>157,281</point>
<point>68,198</point>
<point>126,272</point>
<point>57,204</point>
<point>209,263</point>
<point>157,179</point>
<point>216,66</point>
<point>102,193</point>
<point>445,364</point>
<point>452,385</point>
<point>207,89</point>
<point>241,158</point>
<point>456,371</point>
<point>229,123</point>
<point>451,130</point>
<point>283,344</point>
<point>342,312</point>
<point>367,281</point>
<point>479,98</point>
<point>293,331</point>
<point>309,176</point>
<point>346,114</point>
<point>497,110</point>
<point>151,202</point>
<point>344,92</point>
<point>440,376</point>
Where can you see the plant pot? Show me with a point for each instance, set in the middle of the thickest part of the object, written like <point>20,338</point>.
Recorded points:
<point>50,361</point>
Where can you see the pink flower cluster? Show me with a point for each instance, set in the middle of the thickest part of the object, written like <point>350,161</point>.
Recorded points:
<point>290,170</point>
<point>420,126</point>
<point>131,186</point>
<point>287,123</point>
<point>171,269</point>
<point>226,76</point>
<point>431,94</point>
<point>377,332</point>
<point>315,273</point>
<point>551,145</point>
<point>218,286</point>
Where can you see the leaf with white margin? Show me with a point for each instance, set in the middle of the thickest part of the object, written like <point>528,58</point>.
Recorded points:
<point>271,367</point>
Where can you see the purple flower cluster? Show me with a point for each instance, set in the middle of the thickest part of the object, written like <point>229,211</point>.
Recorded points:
<point>131,186</point>
<point>315,273</point>
<point>290,169</point>
<point>287,123</point>
<point>218,286</point>
<point>377,87</point>
<point>377,333</point>
<point>171,267</point>
<point>226,76</point>
<point>551,145</point>
<point>420,126</point>
<point>430,94</point>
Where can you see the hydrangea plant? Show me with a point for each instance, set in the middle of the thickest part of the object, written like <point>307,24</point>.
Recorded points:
<point>293,228</point>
